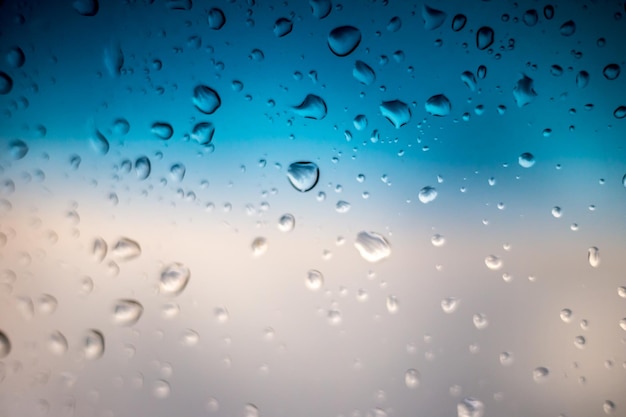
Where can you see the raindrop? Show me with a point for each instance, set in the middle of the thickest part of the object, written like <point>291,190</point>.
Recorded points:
<point>286,223</point>
<point>334,317</point>
<point>540,374</point>
<point>433,18</point>
<point>283,27</point>
<point>363,73</point>
<point>397,112</point>
<point>392,304</point>
<point>360,122</point>
<point>312,107</point>
<point>593,255</point>
<point>86,7</point>
<point>530,17</point>
<point>303,176</point>
<point>526,160</point>
<point>450,304</point>
<point>622,323</point>
<point>57,343</point>
<point>469,80</point>
<point>259,246</point>
<point>15,57</point>
<point>161,389</point>
<point>566,315</point>
<point>250,410</point>
<point>142,167</point>
<point>524,92</point>
<point>206,99</point>
<point>608,407</point>
<point>372,246</point>
<point>548,12</point>
<point>127,312</point>
<point>582,79</point>
<point>343,40</point>
<point>493,262</point>
<point>120,127</point>
<point>438,105</point>
<point>458,22</point>
<point>611,71</point>
<point>17,149</point>
<point>438,240</point>
<point>557,212</point>
<point>177,172</point>
<point>342,207</point>
<point>221,315</point>
<point>162,130</point>
<point>6,83</point>
<point>480,321</point>
<point>320,8</point>
<point>470,407</point>
<point>620,113</point>
<point>216,18</point>
<point>427,194</point>
<point>125,249</point>
<point>113,60</point>
<point>75,161</point>
<point>99,143</point>
<point>506,358</point>
<point>203,133</point>
<point>394,24</point>
<point>579,342</point>
<point>174,279</point>
<point>568,28</point>
<point>484,37</point>
<point>93,344</point>
<point>5,345</point>
<point>412,378</point>
<point>314,280</point>
<point>47,304</point>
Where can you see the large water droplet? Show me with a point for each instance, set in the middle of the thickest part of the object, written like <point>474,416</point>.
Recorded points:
<point>608,407</point>
<point>6,83</point>
<point>314,280</point>
<point>282,27</point>
<point>320,8</point>
<point>143,167</point>
<point>524,92</point>
<point>5,345</point>
<point>15,57</point>
<point>343,40</point>
<point>86,7</point>
<point>203,133</point>
<point>99,143</point>
<point>484,38</point>
<point>450,304</point>
<point>206,99</point>
<point>397,112</point>
<point>17,149</point>
<point>174,279</point>
<point>526,160</point>
<point>93,344</point>
<point>372,246</point>
<point>611,72</point>
<point>593,255</point>
<point>57,343</point>
<point>303,175</point>
<point>568,28</point>
<point>127,312</point>
<point>438,105</point>
<point>412,378</point>
<point>427,194</point>
<point>433,18</point>
<point>363,73</point>
<point>540,374</point>
<point>458,22</point>
<point>162,130</point>
<point>470,407</point>
<point>126,249</point>
<point>216,18</point>
<point>312,107</point>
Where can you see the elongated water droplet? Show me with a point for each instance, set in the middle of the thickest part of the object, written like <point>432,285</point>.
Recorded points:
<point>314,280</point>
<point>526,160</point>
<point>363,73</point>
<point>427,195</point>
<point>394,25</point>
<point>312,107</point>
<point>206,99</point>
<point>412,378</point>
<point>127,312</point>
<point>203,133</point>
<point>216,18</point>
<point>450,304</point>
<point>99,143</point>
<point>469,80</point>
<point>593,255</point>
<point>343,40</point>
<point>57,343</point>
<point>282,27</point>
<point>397,112</point>
<point>484,37</point>
<point>470,407</point>
<point>524,92</point>
<point>5,345</point>
<point>303,176</point>
<point>93,344</point>
<point>582,79</point>
<point>458,22</point>
<point>540,374</point>
<point>125,249</point>
<point>174,279</point>
<point>143,167</point>
<point>372,246</point>
<point>162,130</point>
<point>568,28</point>
<point>438,105</point>
<point>320,8</point>
<point>177,172</point>
<point>113,59</point>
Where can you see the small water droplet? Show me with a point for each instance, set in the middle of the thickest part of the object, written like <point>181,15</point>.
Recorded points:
<point>458,22</point>
<point>87,8</point>
<point>412,378</point>
<point>259,246</point>
<point>363,73</point>
<point>579,342</point>
<point>593,255</point>
<point>450,304</point>
<point>161,389</point>
<point>343,40</point>
<point>566,315</point>
<point>93,344</point>
<point>57,343</point>
<point>334,317</point>
<point>557,212</point>
<point>203,133</point>
<point>6,83</point>
<point>506,358</point>
<point>526,160</point>
<point>397,112</point>
<point>480,321</point>
<point>493,262</point>
<point>216,18</point>
<point>312,107</point>
<point>582,79</point>
<point>622,323</point>
<point>174,279</point>
<point>17,149</point>
<point>286,223</point>
<point>5,345</point>
<point>314,280</point>
<point>524,91</point>
<point>15,57</point>
<point>47,304</point>
<point>438,240</point>
<point>484,37</point>
<point>127,312</point>
<point>143,167</point>
<point>303,176</point>
<point>568,28</point>
<point>342,206</point>
<point>320,8</point>
<point>621,291</point>
<point>392,304</point>
<point>611,72</point>
<point>608,407</point>
<point>206,99</point>
<point>438,105</point>
<point>470,407</point>
<point>125,249</point>
<point>372,246</point>
<point>432,18</point>
<point>427,195</point>
<point>282,27</point>
<point>162,130</point>
<point>540,374</point>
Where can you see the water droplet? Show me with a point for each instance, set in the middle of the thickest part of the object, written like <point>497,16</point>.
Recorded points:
<point>15,57</point>
<point>25,306</point>
<point>579,342</point>
<point>17,149</point>
<point>120,127</point>
<point>493,262</point>
<point>334,317</point>
<point>484,37</point>
<point>113,59</point>
<point>363,73</point>
<point>303,176</point>
<point>470,407</point>
<point>86,7</point>
<point>568,28</point>
<point>177,172</point>
<point>530,17</point>
<point>433,18</point>
<point>506,358</point>
<point>221,315</point>
<point>320,8</point>
<point>427,194</point>
<point>314,280</point>
<point>621,291</point>
<point>6,83</point>
<point>622,323</point>
<point>394,25</point>
<point>540,374</point>
<point>162,130</point>
<point>206,99</point>
<point>438,240</point>
<point>372,246</point>
<point>216,18</point>
<point>250,410</point>
<point>548,12</point>
<point>480,321</point>
<point>526,160</point>
<point>557,212</point>
<point>259,246</point>
<point>203,133</point>
<point>450,304</point>
<point>5,345</point>
<point>93,344</point>
<point>47,304</point>
<point>57,343</point>
<point>343,40</point>
<point>342,207</point>
<point>582,79</point>
<point>127,312</point>
<point>611,71</point>
<point>608,407</point>
<point>397,112</point>
<point>412,378</point>
<point>125,249</point>
<point>438,105</point>
<point>312,107</point>
<point>283,27</point>
<point>286,223</point>
<point>392,304</point>
<point>143,167</point>
<point>174,279</point>
<point>593,255</point>
<point>458,22</point>
<point>524,92</point>
<point>161,389</point>
<point>620,113</point>
<point>566,315</point>
<point>99,143</point>
<point>360,122</point>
